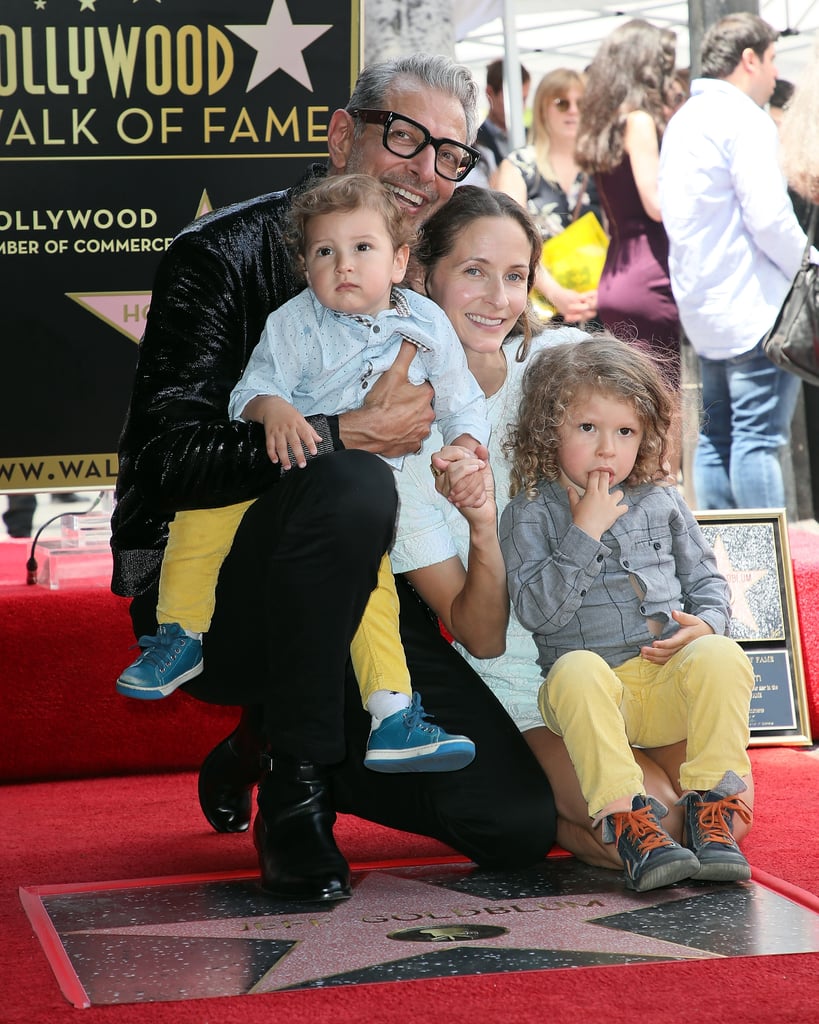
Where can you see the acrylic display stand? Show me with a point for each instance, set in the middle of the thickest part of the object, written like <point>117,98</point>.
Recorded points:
<point>82,553</point>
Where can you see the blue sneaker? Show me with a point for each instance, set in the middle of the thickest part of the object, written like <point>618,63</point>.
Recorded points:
<point>168,660</point>
<point>407,742</point>
<point>650,856</point>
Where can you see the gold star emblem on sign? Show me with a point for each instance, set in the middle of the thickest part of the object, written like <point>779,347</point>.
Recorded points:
<point>740,581</point>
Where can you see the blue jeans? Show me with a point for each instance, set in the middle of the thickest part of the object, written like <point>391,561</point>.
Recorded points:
<point>748,404</point>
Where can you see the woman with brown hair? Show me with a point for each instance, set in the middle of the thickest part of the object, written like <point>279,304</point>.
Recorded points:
<point>477,258</point>
<point>623,116</point>
<point>545,178</point>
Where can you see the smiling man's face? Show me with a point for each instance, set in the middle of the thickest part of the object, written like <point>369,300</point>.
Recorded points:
<point>417,189</point>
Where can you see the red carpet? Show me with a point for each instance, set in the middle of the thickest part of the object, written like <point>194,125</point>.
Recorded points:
<point>60,652</point>
<point>64,648</point>
<point>805,557</point>
<point>149,826</point>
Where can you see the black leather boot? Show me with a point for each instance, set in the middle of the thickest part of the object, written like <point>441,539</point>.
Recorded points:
<point>293,833</point>
<point>229,773</point>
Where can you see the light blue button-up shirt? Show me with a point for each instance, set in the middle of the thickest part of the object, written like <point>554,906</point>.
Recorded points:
<point>322,361</point>
<point>735,244</point>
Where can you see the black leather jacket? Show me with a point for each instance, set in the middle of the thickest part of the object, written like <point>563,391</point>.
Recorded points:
<point>215,286</point>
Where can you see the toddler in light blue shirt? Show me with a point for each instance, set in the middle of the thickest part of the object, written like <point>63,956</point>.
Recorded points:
<point>321,352</point>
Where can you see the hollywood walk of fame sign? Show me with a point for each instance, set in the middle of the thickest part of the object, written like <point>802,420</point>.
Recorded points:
<point>121,122</point>
<point>753,554</point>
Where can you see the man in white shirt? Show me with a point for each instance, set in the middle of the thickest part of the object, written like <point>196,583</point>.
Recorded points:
<point>735,247</point>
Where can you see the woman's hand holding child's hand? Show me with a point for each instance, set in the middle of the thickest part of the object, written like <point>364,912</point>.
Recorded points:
<point>464,478</point>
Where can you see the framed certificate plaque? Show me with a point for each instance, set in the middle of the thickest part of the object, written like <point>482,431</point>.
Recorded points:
<point>753,554</point>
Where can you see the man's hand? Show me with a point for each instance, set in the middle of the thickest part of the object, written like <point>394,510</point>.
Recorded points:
<point>396,415</point>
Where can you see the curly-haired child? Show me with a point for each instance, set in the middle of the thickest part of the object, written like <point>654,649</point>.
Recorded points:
<point>608,567</point>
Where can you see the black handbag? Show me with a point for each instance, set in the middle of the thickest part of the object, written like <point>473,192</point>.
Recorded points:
<point>793,341</point>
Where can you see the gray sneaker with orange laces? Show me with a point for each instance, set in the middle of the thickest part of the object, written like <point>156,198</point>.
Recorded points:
<point>651,858</point>
<point>708,830</point>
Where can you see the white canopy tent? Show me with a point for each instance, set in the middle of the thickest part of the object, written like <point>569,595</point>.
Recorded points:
<point>547,33</point>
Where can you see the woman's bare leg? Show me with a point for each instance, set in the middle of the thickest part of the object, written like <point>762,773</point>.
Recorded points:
<point>668,760</point>
<point>574,826</point>
<point>575,832</point>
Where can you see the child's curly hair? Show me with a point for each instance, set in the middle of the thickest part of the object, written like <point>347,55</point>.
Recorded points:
<point>558,377</point>
<point>343,194</point>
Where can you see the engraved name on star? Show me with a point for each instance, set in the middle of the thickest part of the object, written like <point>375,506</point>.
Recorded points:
<point>279,45</point>
<point>361,933</point>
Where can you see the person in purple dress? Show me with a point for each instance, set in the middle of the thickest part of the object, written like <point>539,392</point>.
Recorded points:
<point>623,115</point>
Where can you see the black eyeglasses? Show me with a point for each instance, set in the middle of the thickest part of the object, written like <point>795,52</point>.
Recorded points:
<point>406,138</point>
<point>562,104</point>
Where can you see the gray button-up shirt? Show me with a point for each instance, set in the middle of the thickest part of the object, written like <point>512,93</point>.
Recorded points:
<point>574,592</point>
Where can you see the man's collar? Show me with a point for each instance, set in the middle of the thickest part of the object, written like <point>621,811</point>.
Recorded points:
<point>725,85</point>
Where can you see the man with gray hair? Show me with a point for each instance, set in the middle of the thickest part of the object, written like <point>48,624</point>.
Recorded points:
<point>735,247</point>
<point>305,557</point>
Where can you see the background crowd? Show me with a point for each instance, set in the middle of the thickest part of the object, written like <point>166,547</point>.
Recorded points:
<point>593,145</point>
<point>735,229</point>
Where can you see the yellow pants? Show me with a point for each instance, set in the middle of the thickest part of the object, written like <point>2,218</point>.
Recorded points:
<point>702,695</point>
<point>198,543</point>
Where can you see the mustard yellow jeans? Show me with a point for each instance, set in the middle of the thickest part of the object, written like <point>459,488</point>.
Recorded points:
<point>198,542</point>
<point>702,695</point>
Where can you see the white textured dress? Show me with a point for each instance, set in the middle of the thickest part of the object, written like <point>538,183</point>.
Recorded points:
<point>431,530</point>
